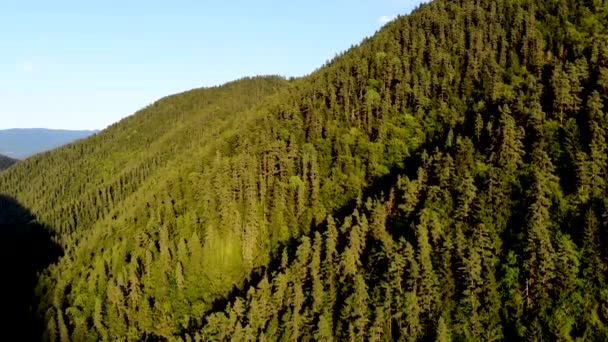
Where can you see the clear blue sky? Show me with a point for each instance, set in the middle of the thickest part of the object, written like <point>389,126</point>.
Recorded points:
<point>87,64</point>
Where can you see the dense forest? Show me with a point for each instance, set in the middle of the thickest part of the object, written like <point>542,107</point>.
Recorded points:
<point>5,162</point>
<point>443,180</point>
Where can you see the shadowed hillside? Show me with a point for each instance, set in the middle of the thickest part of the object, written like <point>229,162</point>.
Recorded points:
<point>26,248</point>
<point>5,162</point>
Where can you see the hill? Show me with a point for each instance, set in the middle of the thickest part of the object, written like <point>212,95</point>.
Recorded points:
<point>5,162</point>
<point>444,179</point>
<point>129,168</point>
<point>21,143</point>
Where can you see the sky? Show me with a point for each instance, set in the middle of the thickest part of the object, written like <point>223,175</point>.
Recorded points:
<point>87,64</point>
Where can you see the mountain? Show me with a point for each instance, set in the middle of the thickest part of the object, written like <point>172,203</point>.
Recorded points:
<point>445,179</point>
<point>5,162</point>
<point>21,143</point>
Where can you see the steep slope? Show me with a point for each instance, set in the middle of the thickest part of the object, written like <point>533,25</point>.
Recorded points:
<point>23,142</point>
<point>444,179</point>
<point>80,188</point>
<point>495,229</point>
<point>5,162</point>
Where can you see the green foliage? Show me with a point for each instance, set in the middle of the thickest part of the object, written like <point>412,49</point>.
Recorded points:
<point>444,180</point>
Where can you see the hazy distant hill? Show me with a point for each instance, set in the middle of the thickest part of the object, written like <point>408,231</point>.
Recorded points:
<point>5,162</point>
<point>21,143</point>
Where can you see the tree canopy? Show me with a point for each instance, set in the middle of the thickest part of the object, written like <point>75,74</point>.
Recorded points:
<point>443,180</point>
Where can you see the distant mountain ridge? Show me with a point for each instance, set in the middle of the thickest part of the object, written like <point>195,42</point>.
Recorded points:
<point>21,143</point>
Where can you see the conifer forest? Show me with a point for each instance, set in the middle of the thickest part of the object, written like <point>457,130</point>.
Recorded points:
<point>444,180</point>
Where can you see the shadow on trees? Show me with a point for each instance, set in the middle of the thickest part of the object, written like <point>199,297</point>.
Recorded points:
<point>26,248</point>
<point>378,189</point>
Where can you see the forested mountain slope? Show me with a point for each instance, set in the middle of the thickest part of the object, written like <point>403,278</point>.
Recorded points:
<point>94,188</point>
<point>5,162</point>
<point>445,179</point>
